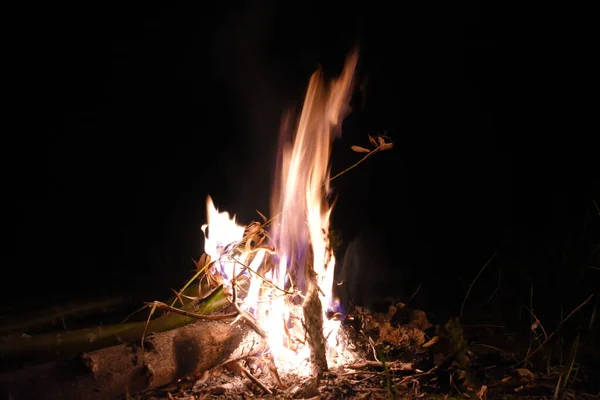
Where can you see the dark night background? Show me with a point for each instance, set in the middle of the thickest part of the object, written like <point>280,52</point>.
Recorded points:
<point>128,117</point>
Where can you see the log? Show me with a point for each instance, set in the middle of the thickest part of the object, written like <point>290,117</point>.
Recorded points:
<point>112,372</point>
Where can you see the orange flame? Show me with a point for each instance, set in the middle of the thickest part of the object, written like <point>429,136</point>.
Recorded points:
<point>299,199</point>
<point>301,224</point>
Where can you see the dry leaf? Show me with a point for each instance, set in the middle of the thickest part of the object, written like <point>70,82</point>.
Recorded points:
<point>391,312</point>
<point>262,216</point>
<point>372,140</point>
<point>430,343</point>
<point>525,374</point>
<point>359,149</point>
<point>202,261</point>
<point>535,324</point>
<point>482,393</point>
<point>386,146</point>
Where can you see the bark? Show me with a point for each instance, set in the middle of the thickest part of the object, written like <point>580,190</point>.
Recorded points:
<point>313,319</point>
<point>114,371</point>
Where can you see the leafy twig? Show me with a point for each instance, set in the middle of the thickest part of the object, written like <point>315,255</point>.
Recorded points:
<point>380,144</point>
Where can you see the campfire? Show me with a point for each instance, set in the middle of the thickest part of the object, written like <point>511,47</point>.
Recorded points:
<point>280,272</point>
<point>264,290</point>
<point>260,318</point>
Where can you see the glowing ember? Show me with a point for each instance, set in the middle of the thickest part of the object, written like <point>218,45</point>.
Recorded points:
<point>276,279</point>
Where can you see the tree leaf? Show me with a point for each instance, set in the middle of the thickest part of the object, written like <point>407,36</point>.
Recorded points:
<point>372,140</point>
<point>359,149</point>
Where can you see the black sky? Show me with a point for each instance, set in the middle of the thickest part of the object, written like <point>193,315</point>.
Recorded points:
<point>131,116</point>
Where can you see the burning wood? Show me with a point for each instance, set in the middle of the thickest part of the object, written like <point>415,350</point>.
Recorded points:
<point>287,286</point>
<point>279,281</point>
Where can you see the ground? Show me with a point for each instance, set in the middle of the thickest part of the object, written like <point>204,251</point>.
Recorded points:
<point>399,354</point>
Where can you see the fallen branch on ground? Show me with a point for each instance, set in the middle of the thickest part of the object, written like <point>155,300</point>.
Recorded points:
<point>124,369</point>
<point>46,347</point>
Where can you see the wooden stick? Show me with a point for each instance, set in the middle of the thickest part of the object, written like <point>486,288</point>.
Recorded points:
<point>114,371</point>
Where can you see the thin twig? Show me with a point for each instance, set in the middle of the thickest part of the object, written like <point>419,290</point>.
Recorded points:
<point>162,306</point>
<point>415,293</point>
<point>178,296</point>
<point>193,278</point>
<point>393,365</point>
<point>372,344</point>
<point>556,330</point>
<point>253,379</point>
<point>495,290</point>
<point>152,309</point>
<point>415,376</point>
<point>491,347</point>
<point>375,150</point>
<point>243,314</point>
<point>536,319</point>
<point>268,358</point>
<point>362,372</point>
<point>133,313</point>
<point>265,280</point>
<point>472,283</point>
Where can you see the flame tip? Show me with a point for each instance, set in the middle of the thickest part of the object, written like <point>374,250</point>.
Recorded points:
<point>302,208</point>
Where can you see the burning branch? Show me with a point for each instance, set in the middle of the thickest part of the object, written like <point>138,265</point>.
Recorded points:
<point>115,371</point>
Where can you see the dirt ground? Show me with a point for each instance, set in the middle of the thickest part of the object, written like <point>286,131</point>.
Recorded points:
<point>400,354</point>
